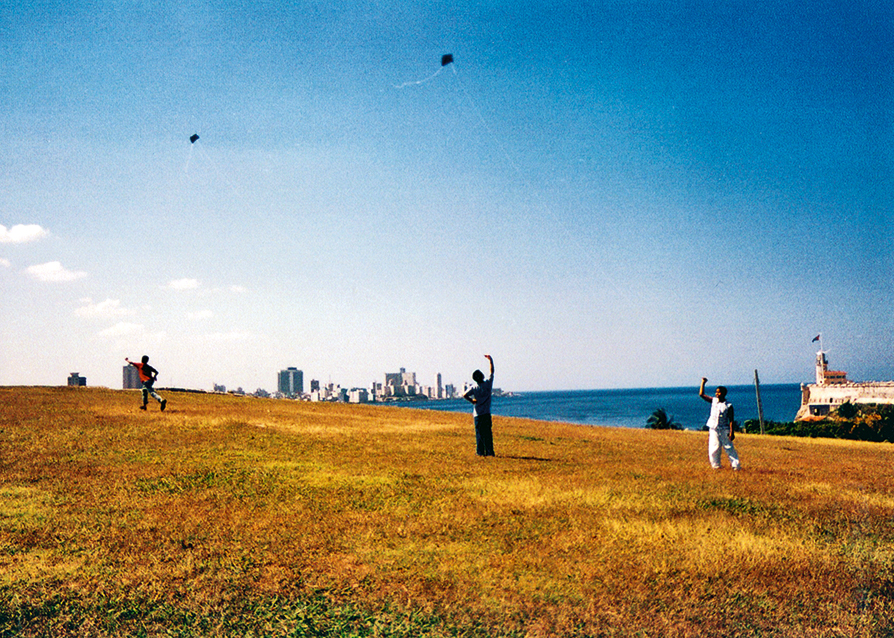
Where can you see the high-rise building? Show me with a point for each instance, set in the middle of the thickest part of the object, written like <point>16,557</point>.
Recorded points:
<point>401,383</point>
<point>358,395</point>
<point>291,382</point>
<point>131,378</point>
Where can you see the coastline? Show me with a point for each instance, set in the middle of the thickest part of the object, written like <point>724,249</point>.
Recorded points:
<point>629,407</point>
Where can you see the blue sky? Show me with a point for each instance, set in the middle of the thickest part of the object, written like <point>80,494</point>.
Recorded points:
<point>599,194</point>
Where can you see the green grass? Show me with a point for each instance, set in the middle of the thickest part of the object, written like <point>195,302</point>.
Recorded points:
<point>227,516</point>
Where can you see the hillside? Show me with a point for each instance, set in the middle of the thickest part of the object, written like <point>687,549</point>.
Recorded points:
<point>237,516</point>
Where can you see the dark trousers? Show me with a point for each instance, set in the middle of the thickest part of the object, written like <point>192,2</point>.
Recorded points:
<point>484,435</point>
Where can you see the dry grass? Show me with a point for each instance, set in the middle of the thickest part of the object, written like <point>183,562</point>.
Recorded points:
<point>238,516</point>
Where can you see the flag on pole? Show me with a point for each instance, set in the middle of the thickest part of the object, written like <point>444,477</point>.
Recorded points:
<point>816,338</point>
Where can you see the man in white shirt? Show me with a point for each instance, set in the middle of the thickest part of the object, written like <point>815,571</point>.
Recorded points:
<point>720,427</point>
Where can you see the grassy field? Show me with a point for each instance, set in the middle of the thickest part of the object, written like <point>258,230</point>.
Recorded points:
<point>227,516</point>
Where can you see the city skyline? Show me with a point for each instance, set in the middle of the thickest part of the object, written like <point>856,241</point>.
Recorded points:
<point>290,384</point>
<point>600,195</point>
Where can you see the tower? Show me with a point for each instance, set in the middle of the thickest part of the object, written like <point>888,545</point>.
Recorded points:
<point>131,377</point>
<point>824,376</point>
<point>290,382</point>
<point>821,365</point>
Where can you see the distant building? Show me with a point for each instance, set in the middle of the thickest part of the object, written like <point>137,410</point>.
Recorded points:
<point>400,384</point>
<point>75,379</point>
<point>314,385</point>
<point>832,389</point>
<point>131,378</point>
<point>358,395</point>
<point>824,376</point>
<point>291,382</point>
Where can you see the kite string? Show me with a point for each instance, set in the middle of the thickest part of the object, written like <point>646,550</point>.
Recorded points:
<point>620,291</point>
<point>487,127</point>
<point>188,160</point>
<point>215,170</point>
<point>423,81</point>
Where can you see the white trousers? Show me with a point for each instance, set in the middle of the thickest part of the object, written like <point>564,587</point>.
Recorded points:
<point>719,439</point>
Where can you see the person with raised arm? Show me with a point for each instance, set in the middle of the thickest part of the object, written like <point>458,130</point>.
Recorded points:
<point>148,375</point>
<point>479,396</point>
<point>720,427</point>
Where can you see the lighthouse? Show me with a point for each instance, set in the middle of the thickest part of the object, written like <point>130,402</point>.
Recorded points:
<point>824,376</point>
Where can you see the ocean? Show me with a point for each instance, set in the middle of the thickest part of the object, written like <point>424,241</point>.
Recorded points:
<point>631,408</point>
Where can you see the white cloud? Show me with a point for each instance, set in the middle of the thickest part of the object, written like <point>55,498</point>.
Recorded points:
<point>54,271</point>
<point>5,262</point>
<point>239,289</point>
<point>201,314</point>
<point>21,233</point>
<point>184,284</point>
<point>102,310</point>
<point>122,329</point>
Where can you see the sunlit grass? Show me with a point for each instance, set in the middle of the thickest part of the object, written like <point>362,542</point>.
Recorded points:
<point>238,516</point>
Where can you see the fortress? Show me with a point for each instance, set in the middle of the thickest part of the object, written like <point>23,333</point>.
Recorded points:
<point>832,389</point>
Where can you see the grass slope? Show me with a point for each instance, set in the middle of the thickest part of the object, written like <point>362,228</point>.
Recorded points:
<point>238,516</point>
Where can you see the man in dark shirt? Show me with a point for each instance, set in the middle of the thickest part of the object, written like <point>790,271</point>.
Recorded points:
<point>480,397</point>
<point>148,374</point>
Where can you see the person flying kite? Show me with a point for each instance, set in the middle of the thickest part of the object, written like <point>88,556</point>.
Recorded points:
<point>148,375</point>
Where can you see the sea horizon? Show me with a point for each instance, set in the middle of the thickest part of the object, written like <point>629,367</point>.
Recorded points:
<point>631,407</point>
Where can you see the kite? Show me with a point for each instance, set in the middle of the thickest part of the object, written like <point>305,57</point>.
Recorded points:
<point>446,59</point>
<point>192,140</point>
